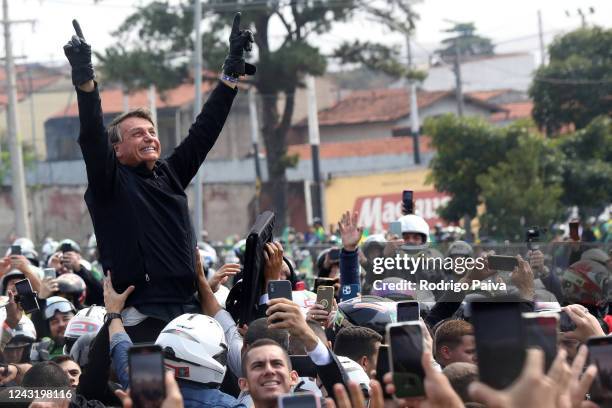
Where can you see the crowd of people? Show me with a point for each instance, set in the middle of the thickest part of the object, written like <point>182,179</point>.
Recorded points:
<point>217,360</point>
<point>148,317</point>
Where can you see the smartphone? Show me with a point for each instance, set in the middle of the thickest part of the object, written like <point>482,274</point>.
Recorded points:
<point>500,341</point>
<point>405,342</point>
<point>600,354</point>
<point>348,292</point>
<point>299,400</point>
<point>15,249</point>
<point>27,297</point>
<point>66,247</point>
<point>573,230</point>
<point>303,365</point>
<point>566,324</point>
<point>325,297</point>
<point>382,367</point>
<point>543,331</point>
<point>324,282</point>
<point>146,369</point>
<point>407,200</point>
<point>279,289</point>
<point>408,311</point>
<point>50,273</point>
<point>502,262</point>
<point>395,228</point>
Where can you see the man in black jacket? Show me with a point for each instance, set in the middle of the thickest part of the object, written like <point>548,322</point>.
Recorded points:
<point>137,201</point>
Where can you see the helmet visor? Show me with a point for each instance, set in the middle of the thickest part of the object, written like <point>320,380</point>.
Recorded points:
<point>63,306</point>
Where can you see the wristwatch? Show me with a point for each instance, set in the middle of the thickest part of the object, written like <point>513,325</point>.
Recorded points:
<point>111,316</point>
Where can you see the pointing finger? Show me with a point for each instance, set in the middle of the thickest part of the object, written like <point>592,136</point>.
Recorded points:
<point>77,29</point>
<point>236,24</point>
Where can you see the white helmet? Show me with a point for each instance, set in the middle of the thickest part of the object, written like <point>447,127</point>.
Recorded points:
<point>88,320</point>
<point>26,244</point>
<point>24,330</point>
<point>194,347</point>
<point>49,248</point>
<point>416,225</point>
<point>355,372</point>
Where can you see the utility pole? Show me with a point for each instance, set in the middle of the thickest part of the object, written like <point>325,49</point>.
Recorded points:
<point>197,106</point>
<point>541,36</point>
<point>414,108</point>
<point>22,225</point>
<point>152,95</point>
<point>458,84</point>
<point>255,142</point>
<point>314,140</point>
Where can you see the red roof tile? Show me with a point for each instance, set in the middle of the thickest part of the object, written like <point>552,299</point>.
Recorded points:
<point>488,95</point>
<point>380,105</point>
<point>362,148</point>
<point>516,110</point>
<point>112,99</point>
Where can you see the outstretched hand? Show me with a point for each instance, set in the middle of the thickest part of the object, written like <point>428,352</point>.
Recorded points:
<point>239,42</point>
<point>113,301</point>
<point>78,53</point>
<point>349,231</point>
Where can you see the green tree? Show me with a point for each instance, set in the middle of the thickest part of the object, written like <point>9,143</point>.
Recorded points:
<point>468,43</point>
<point>587,178</point>
<point>465,149</point>
<point>167,29</point>
<point>576,85</point>
<point>523,189</point>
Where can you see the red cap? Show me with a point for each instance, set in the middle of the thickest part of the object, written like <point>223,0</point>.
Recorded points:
<point>300,286</point>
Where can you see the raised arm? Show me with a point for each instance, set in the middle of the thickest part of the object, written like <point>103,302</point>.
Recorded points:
<point>190,154</point>
<point>95,145</point>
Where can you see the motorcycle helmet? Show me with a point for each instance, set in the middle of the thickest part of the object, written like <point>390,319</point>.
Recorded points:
<point>88,320</point>
<point>194,347</point>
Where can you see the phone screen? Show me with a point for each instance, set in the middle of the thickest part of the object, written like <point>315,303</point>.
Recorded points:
<point>27,298</point>
<point>382,366</point>
<point>500,342</point>
<point>299,400</point>
<point>15,249</point>
<point>406,343</point>
<point>147,376</point>
<point>407,199</point>
<point>279,289</point>
<point>600,354</point>
<point>50,273</point>
<point>542,333</point>
<point>407,311</point>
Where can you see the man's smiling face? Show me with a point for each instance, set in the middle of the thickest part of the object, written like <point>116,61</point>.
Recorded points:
<point>139,143</point>
<point>267,374</point>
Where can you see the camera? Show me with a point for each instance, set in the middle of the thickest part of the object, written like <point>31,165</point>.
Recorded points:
<point>532,235</point>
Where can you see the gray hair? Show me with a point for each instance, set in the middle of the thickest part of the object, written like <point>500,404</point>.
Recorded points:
<point>113,130</point>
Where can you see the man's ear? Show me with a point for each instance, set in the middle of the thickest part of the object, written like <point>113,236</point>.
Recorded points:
<point>444,352</point>
<point>243,383</point>
<point>365,363</point>
<point>294,377</point>
<point>116,149</point>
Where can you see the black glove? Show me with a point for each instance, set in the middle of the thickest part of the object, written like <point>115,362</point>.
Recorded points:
<point>240,41</point>
<point>78,53</point>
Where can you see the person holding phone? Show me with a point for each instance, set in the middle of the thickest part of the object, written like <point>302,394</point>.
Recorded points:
<point>137,200</point>
<point>198,351</point>
<point>57,312</point>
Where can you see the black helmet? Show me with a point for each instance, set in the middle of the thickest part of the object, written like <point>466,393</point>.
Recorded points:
<point>368,311</point>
